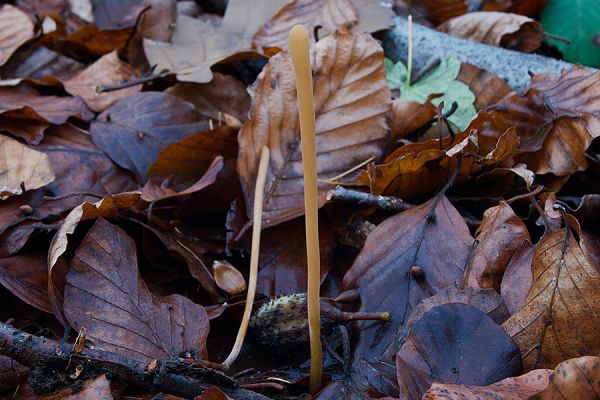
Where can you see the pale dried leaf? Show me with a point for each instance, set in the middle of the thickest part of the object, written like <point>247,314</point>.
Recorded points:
<point>16,28</point>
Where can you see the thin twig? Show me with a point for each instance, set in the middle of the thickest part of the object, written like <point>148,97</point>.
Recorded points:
<point>132,82</point>
<point>361,199</point>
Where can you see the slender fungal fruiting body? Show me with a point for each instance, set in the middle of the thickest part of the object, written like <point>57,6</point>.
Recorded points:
<point>299,50</point>
<point>261,177</point>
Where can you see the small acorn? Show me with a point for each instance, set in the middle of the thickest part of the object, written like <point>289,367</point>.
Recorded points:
<point>281,325</point>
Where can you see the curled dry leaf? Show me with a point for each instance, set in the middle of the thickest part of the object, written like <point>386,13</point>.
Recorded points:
<point>135,129</point>
<point>517,388</point>
<point>11,374</point>
<point>439,11</point>
<point>406,259</point>
<point>446,344</point>
<point>577,378</point>
<point>488,88</point>
<point>16,28</point>
<point>557,118</point>
<point>105,293</point>
<point>351,103</point>
<point>228,277</point>
<point>500,29</point>
<point>26,276</point>
<point>561,315</point>
<point>22,168</point>
<point>106,71</point>
<point>499,236</point>
<point>328,14</point>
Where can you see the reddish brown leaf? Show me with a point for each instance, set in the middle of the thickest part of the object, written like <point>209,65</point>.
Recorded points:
<point>507,30</point>
<point>351,103</point>
<point>557,118</point>
<point>105,294</point>
<point>408,116</point>
<point>228,278</point>
<point>487,87</point>
<point>455,343</point>
<point>11,374</point>
<point>328,14</point>
<point>106,71</point>
<point>26,276</point>
<point>90,40</point>
<point>135,129</point>
<point>577,378</point>
<point>517,278</point>
<point>527,7</point>
<point>561,315</point>
<point>16,28</point>
<point>499,236</point>
<point>518,388</point>
<point>442,10</point>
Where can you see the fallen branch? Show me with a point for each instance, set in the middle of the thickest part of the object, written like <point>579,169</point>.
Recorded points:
<point>363,199</point>
<point>172,376</point>
<point>428,44</point>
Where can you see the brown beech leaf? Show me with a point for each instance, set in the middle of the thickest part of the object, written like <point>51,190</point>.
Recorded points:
<point>406,259</point>
<point>40,65</point>
<point>577,378</point>
<point>499,236</point>
<point>105,294</point>
<point>517,278</point>
<point>26,276</point>
<point>561,315</point>
<point>11,374</point>
<point>527,7</point>
<point>439,11</point>
<point>22,168</point>
<point>283,258</point>
<point>517,388</point>
<point>409,116</point>
<point>92,389</point>
<point>106,71</point>
<point>500,29</point>
<point>351,103</point>
<point>222,96</point>
<point>328,14</point>
<point>455,343</point>
<point>16,28</point>
<point>184,162</point>
<point>557,118</point>
<point>27,114</point>
<point>487,87</point>
<point>197,44</point>
<point>116,14</point>
<point>135,129</point>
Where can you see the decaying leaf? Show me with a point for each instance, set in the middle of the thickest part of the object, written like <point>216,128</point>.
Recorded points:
<point>487,87</point>
<point>577,378</point>
<point>519,388</point>
<point>115,14</point>
<point>104,293</point>
<point>22,168</point>
<point>40,63</point>
<point>351,103</point>
<point>561,315</point>
<point>26,276</point>
<point>106,71</point>
<point>16,28</point>
<point>445,344</point>
<point>512,31</point>
<point>517,277</point>
<point>439,11</point>
<point>11,374</point>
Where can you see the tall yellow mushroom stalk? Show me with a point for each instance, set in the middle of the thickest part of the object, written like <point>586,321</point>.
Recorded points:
<point>299,50</point>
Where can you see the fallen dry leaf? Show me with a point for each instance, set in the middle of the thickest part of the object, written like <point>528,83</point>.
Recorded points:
<point>409,116</point>
<point>507,30</point>
<point>22,168</point>
<point>445,344</point>
<point>561,315</point>
<point>577,378</point>
<point>351,103</point>
<point>499,236</point>
<point>439,11</point>
<point>116,14</point>
<point>527,7</point>
<point>135,129</point>
<point>518,388</point>
<point>26,276</point>
<point>92,389</point>
<point>488,88</point>
<point>11,374</point>
<point>228,278</point>
<point>517,278</point>
<point>16,28</point>
<point>104,293</point>
<point>106,71</point>
<point>40,64</point>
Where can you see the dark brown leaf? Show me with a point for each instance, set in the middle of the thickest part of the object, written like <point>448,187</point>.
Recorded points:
<point>105,293</point>
<point>351,103</point>
<point>487,87</point>
<point>11,374</point>
<point>135,129</point>
<point>527,7</point>
<point>455,343</point>
<point>442,10</point>
<point>26,276</point>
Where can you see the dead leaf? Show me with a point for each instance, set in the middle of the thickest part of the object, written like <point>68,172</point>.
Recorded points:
<point>228,278</point>
<point>118,311</point>
<point>373,17</point>
<point>518,388</point>
<point>517,278</point>
<point>16,28</point>
<point>40,65</point>
<point>499,236</point>
<point>442,10</point>
<point>135,129</point>
<point>577,378</point>
<point>557,118</point>
<point>26,276</point>
<point>408,116</point>
<point>106,71</point>
<point>92,389</point>
<point>22,168</point>
<point>11,374</point>
<point>196,45</point>
<point>511,31</point>
<point>488,88</point>
<point>27,114</point>
<point>384,275</point>
<point>561,315</point>
<point>328,14</point>
<point>447,342</point>
<point>351,103</point>
<point>527,7</point>
<point>115,14</point>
